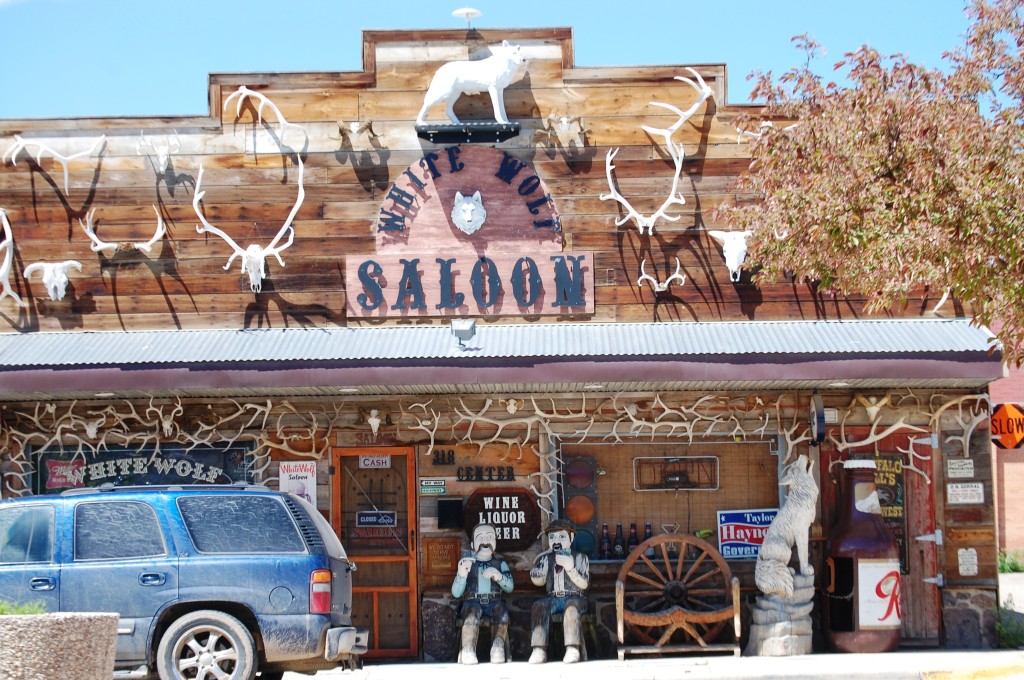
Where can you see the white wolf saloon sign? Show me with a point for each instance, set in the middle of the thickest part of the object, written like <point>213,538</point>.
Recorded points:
<point>468,231</point>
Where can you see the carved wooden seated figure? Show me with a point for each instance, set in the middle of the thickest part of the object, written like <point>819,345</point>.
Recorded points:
<point>480,581</point>
<point>566,576</point>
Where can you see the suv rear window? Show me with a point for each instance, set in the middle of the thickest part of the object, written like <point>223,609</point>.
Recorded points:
<point>239,524</point>
<point>26,534</point>
<point>117,530</point>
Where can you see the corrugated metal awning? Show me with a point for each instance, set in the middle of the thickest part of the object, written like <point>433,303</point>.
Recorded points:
<point>769,353</point>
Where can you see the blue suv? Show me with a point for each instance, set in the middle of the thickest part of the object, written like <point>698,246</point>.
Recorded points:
<point>209,581</point>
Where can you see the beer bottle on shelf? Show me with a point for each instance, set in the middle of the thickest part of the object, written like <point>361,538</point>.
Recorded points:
<point>619,545</point>
<point>606,543</point>
<point>647,534</point>
<point>634,540</point>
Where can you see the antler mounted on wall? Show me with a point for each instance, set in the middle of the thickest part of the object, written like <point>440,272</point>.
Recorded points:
<point>282,125</point>
<point>254,257</point>
<point>7,248</point>
<point>357,135</point>
<point>20,144</point>
<point>645,221</point>
<point>676,151</point>
<point>569,131</point>
<point>162,150</point>
<point>122,246</point>
<point>661,286</point>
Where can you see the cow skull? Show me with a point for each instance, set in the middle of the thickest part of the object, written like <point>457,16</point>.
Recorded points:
<point>734,247</point>
<point>55,276</point>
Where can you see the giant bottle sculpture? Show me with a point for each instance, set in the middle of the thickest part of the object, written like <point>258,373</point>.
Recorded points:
<point>862,575</point>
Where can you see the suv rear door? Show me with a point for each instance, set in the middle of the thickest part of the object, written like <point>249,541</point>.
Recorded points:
<point>247,550</point>
<point>29,568</point>
<point>122,559</point>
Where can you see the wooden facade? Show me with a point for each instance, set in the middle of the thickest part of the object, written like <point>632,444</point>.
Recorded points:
<point>357,138</point>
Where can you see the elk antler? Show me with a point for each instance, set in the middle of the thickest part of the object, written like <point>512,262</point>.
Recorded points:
<point>20,144</point>
<point>677,152</point>
<point>646,221</point>
<point>7,247</point>
<point>660,287</point>
<point>254,257</point>
<point>122,246</point>
<point>704,93</point>
<point>242,92</point>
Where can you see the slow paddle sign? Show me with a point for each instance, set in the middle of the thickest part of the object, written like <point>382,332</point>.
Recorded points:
<point>1008,425</point>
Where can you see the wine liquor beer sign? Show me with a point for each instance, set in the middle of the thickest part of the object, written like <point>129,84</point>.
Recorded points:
<point>468,231</point>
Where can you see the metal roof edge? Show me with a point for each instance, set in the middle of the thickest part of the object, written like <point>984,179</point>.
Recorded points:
<point>499,342</point>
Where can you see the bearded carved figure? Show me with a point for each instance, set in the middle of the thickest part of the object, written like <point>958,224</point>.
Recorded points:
<point>480,581</point>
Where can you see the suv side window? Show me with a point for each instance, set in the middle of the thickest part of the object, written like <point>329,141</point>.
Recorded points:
<point>26,534</point>
<point>239,524</point>
<point>117,530</point>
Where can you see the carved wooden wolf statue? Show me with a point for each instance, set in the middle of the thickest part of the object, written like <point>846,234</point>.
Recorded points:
<point>791,527</point>
<point>491,75</point>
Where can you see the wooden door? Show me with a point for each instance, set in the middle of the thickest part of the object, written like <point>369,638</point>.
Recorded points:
<point>374,512</point>
<point>921,597</point>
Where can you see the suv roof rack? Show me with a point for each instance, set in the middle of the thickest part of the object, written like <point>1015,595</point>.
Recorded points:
<point>109,487</point>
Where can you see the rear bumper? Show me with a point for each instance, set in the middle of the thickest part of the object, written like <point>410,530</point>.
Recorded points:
<point>345,640</point>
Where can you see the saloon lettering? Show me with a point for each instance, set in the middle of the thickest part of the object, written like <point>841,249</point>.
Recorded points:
<point>487,285</point>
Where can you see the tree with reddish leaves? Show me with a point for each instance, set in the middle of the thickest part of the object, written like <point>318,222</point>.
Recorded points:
<point>906,184</point>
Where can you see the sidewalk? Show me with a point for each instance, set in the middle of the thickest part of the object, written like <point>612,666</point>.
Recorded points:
<point>901,665</point>
<point>908,664</point>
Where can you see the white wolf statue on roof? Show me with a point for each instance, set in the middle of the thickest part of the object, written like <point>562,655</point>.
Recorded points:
<point>491,74</point>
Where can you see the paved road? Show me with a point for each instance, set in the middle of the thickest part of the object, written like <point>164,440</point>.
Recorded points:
<point>901,665</point>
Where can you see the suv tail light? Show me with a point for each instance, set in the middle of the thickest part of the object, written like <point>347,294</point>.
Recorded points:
<point>320,591</point>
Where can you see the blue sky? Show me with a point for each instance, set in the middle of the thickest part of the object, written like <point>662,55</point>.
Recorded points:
<point>71,58</point>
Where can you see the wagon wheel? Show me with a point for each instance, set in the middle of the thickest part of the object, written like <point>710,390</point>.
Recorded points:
<point>684,586</point>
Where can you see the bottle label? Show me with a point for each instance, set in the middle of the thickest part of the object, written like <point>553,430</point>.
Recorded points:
<point>865,498</point>
<point>878,593</point>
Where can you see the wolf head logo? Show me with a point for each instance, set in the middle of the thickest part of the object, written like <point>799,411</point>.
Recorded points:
<point>468,213</point>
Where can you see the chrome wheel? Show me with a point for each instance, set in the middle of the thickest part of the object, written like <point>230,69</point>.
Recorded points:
<point>207,645</point>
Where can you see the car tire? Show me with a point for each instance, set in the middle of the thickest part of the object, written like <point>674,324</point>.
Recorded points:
<point>206,644</point>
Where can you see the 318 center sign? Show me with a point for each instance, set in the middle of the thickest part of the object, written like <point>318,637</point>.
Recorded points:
<point>1008,425</point>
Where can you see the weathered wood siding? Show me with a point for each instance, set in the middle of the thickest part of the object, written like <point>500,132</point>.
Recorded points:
<point>251,188</point>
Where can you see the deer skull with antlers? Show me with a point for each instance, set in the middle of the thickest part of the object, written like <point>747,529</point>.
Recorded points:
<point>55,276</point>
<point>122,246</point>
<point>162,150</point>
<point>661,286</point>
<point>569,131</point>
